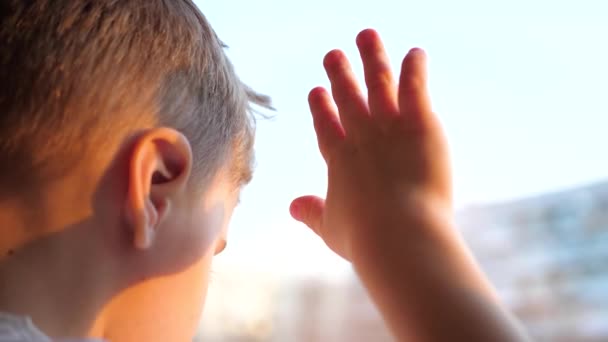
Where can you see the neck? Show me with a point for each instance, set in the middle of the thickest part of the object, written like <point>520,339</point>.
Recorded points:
<point>61,279</point>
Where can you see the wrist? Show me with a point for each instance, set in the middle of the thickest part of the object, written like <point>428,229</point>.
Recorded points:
<point>424,245</point>
<point>412,222</point>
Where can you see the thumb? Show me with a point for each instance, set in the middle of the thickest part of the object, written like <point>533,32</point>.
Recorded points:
<point>308,210</point>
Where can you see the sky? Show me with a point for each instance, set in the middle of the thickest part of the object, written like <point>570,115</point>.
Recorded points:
<point>521,87</point>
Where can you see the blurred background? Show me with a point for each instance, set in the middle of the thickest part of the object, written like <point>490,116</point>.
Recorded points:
<point>521,89</point>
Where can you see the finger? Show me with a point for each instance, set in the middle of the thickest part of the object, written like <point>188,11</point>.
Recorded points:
<point>326,121</point>
<point>381,86</point>
<point>352,106</point>
<point>308,210</point>
<point>413,94</point>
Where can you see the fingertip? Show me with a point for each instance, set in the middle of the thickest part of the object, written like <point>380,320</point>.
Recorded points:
<point>367,37</point>
<point>316,93</point>
<point>295,209</point>
<point>319,102</point>
<point>416,56</point>
<point>417,52</point>
<point>333,57</point>
<point>414,64</point>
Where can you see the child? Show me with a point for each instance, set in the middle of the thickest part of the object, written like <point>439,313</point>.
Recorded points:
<point>125,139</point>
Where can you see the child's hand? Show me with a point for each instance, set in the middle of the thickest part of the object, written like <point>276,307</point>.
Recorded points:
<point>388,206</point>
<point>387,157</point>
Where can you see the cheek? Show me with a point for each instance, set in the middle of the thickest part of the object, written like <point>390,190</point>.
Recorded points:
<point>162,309</point>
<point>205,229</point>
<point>188,239</point>
<point>184,296</point>
<point>190,290</point>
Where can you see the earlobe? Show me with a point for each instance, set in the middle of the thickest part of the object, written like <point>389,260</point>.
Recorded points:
<point>144,235</point>
<point>159,167</point>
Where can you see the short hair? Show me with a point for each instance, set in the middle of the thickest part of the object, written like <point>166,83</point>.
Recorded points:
<point>74,74</point>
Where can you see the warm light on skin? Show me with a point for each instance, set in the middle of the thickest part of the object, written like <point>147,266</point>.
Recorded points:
<point>168,308</point>
<point>102,281</point>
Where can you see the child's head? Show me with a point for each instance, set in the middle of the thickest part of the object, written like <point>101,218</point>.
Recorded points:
<point>125,136</point>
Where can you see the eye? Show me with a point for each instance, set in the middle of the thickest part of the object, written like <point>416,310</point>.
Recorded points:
<point>221,246</point>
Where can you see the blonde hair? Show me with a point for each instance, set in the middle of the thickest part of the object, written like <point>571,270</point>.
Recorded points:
<point>77,72</point>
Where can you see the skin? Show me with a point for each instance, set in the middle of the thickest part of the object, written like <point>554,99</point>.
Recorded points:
<point>119,249</point>
<point>388,207</point>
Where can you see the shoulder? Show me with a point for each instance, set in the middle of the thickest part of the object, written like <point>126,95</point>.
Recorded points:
<point>21,329</point>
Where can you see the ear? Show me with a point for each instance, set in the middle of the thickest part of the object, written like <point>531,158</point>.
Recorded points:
<point>160,165</point>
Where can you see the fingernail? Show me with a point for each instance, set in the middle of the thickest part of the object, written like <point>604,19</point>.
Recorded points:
<point>418,52</point>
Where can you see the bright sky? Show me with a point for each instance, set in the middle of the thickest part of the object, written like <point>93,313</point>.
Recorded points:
<point>521,87</point>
